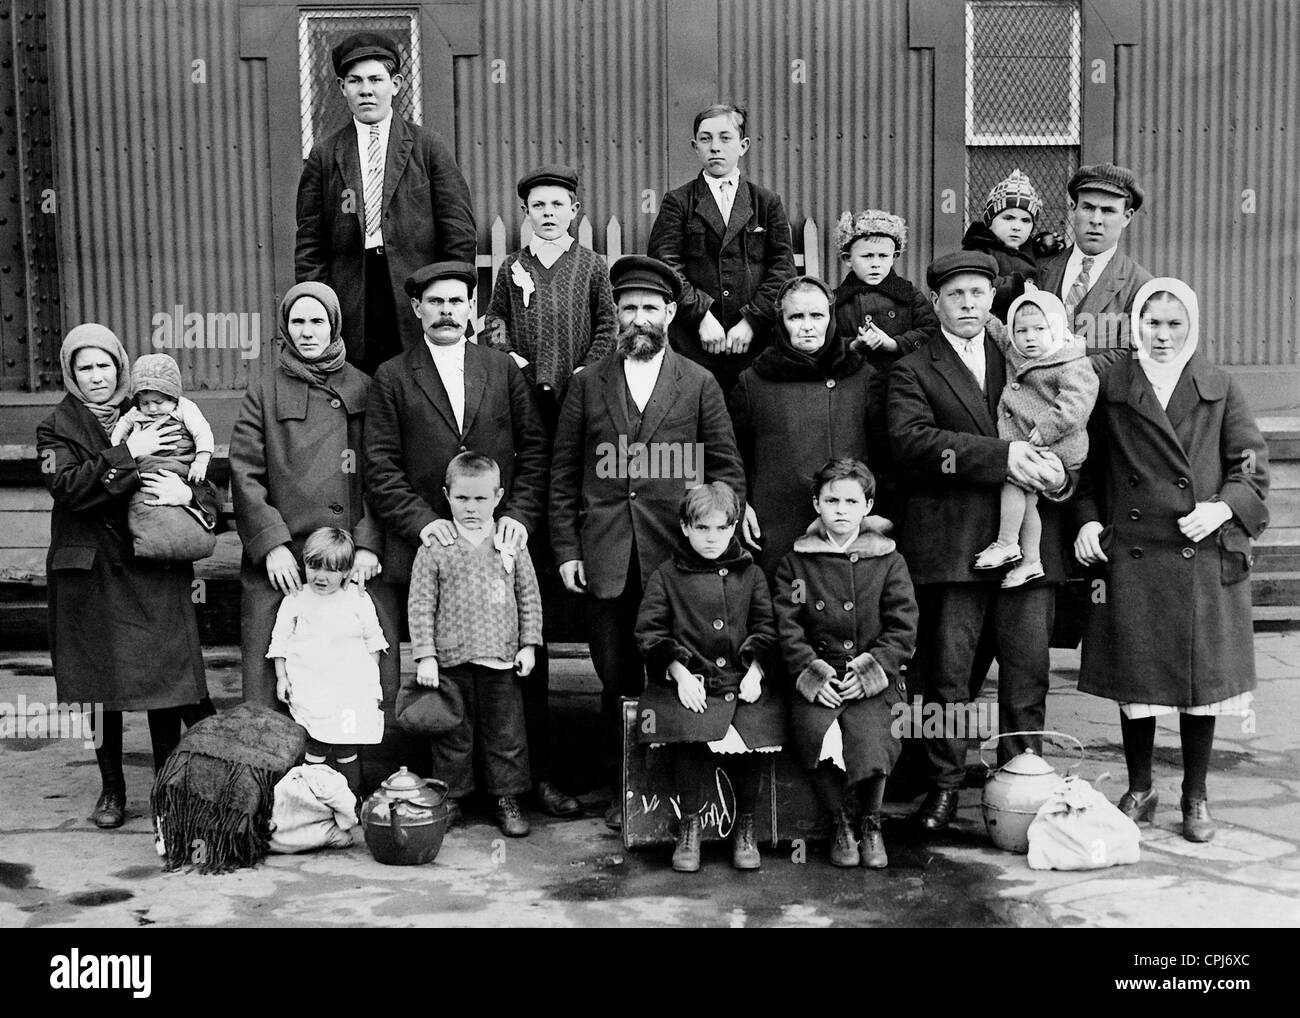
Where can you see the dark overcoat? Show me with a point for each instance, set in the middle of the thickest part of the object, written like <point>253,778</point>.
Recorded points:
<point>612,486</point>
<point>123,630</point>
<point>1016,266</point>
<point>295,466</point>
<point>426,217</point>
<point>715,617</point>
<point>838,606</point>
<point>785,431</point>
<point>733,269</point>
<point>411,436</point>
<point>1171,622</point>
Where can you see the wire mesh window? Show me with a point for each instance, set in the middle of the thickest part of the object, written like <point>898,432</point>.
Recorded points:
<point>1023,79</point>
<point>323,107</point>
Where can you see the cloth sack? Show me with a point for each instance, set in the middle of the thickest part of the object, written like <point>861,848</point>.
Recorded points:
<point>212,799</point>
<point>314,808</point>
<point>168,533</point>
<point>1078,828</point>
<point>422,710</point>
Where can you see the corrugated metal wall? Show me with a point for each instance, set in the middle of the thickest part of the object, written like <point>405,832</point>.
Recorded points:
<point>573,81</point>
<point>850,126</point>
<point>164,179</point>
<point>1207,110</point>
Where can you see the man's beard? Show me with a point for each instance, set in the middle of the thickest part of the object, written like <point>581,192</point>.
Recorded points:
<point>640,343</point>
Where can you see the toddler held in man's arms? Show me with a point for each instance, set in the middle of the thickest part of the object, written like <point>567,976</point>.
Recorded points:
<point>156,382</point>
<point>326,645</point>
<point>1046,402</point>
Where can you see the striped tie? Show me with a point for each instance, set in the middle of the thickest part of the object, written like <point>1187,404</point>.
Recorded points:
<point>374,180</point>
<point>1080,287</point>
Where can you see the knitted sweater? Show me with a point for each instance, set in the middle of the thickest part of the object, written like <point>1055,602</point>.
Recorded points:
<point>569,320</point>
<point>464,606</point>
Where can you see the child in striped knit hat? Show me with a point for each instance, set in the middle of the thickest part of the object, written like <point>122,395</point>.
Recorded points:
<point>1012,208</point>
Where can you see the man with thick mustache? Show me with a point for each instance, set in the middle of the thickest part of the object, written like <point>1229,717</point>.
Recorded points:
<point>437,400</point>
<point>611,525</point>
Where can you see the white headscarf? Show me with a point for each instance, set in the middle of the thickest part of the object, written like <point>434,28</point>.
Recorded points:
<point>1051,307</point>
<point>1164,377</point>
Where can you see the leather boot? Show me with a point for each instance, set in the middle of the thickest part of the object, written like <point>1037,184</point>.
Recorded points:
<point>844,847</point>
<point>744,849</point>
<point>110,810</point>
<point>872,846</point>
<point>1139,806</point>
<point>1198,825</point>
<point>686,856</point>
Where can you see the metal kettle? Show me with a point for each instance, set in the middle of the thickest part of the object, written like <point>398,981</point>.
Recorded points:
<point>1014,792</point>
<point>405,820</point>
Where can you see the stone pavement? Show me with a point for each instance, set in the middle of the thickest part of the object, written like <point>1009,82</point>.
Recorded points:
<point>56,869</point>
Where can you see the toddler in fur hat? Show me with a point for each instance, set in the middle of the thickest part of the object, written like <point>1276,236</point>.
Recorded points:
<point>156,383</point>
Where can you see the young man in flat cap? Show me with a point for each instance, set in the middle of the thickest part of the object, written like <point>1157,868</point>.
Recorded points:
<point>443,397</point>
<point>377,200</point>
<point>635,433</point>
<point>942,411</point>
<point>1094,278</point>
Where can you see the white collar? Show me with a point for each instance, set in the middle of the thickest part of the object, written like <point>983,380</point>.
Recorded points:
<point>537,245</point>
<point>964,345</point>
<point>363,129</point>
<point>715,183</point>
<point>453,353</point>
<point>1099,262</point>
<point>644,367</point>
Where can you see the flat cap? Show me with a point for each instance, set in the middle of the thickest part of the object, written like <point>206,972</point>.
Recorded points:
<point>552,175</point>
<point>363,46</point>
<point>1109,178</point>
<point>960,261</point>
<point>418,281</point>
<point>642,272</point>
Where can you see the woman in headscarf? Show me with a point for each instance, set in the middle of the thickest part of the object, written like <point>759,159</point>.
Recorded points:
<point>295,467</point>
<point>123,632</point>
<point>1171,493</point>
<point>802,402</point>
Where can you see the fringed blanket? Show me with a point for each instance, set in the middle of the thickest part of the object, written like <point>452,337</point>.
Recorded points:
<point>212,799</point>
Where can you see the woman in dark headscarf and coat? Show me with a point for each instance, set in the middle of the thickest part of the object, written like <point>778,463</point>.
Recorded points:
<point>123,632</point>
<point>805,400</point>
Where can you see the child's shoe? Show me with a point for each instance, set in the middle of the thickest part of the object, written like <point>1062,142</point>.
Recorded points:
<point>872,846</point>
<point>1025,572</point>
<point>744,848</point>
<point>844,848</point>
<point>686,856</point>
<point>510,817</point>
<point>997,555</point>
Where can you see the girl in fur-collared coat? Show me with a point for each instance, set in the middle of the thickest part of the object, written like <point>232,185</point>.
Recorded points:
<point>705,629</point>
<point>846,620</point>
<point>1047,401</point>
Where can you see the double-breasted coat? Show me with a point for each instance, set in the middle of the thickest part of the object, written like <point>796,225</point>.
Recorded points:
<point>411,436</point>
<point>426,217</point>
<point>295,466</point>
<point>733,269</point>
<point>1172,624</point>
<point>715,617</point>
<point>613,486</point>
<point>123,630</point>
<point>1102,318</point>
<point>835,607</point>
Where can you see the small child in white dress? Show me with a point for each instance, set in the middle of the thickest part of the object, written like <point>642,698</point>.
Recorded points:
<point>326,645</point>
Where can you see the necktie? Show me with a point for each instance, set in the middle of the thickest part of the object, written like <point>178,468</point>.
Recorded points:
<point>725,200</point>
<point>374,184</point>
<point>1080,286</point>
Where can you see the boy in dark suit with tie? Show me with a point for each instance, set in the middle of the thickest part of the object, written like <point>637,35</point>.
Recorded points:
<point>729,239</point>
<point>377,200</point>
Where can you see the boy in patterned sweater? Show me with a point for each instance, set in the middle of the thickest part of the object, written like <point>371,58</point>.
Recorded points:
<point>476,620</point>
<point>552,307</point>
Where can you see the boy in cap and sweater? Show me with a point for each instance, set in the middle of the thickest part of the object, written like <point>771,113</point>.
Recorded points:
<point>552,307</point>
<point>1010,212</point>
<point>156,382</point>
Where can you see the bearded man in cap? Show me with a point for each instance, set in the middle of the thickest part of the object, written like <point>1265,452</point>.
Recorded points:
<point>636,431</point>
<point>376,201</point>
<point>1094,278</point>
<point>942,409</point>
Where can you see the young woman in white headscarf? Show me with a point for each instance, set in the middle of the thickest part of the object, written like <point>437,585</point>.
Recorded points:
<point>1171,494</point>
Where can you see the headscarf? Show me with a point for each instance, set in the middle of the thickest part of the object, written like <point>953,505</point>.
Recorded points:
<point>1053,310</point>
<point>331,359</point>
<point>99,337</point>
<point>781,362</point>
<point>1164,377</point>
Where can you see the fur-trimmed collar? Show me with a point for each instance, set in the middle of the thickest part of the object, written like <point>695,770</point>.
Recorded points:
<point>868,544</point>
